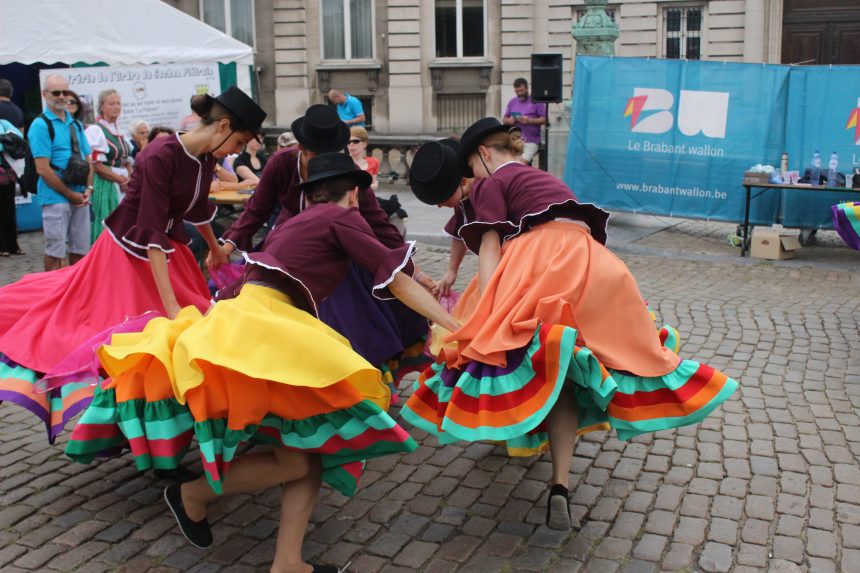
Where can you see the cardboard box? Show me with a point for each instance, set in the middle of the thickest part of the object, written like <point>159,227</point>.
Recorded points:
<point>755,178</point>
<point>773,244</point>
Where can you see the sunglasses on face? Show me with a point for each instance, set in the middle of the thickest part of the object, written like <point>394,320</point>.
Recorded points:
<point>355,141</point>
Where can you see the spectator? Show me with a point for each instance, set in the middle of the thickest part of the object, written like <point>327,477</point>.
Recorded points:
<point>358,151</point>
<point>190,121</point>
<point>8,109</point>
<point>8,224</point>
<point>522,112</point>
<point>65,207</point>
<point>110,160</point>
<point>349,108</point>
<point>250,163</point>
<point>75,106</point>
<point>139,136</point>
<point>158,131</point>
<point>287,139</point>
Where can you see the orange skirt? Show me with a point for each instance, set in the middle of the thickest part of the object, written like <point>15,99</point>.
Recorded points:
<point>557,274</point>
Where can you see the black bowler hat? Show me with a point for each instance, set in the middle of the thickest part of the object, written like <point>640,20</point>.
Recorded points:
<point>331,165</point>
<point>243,108</point>
<point>473,137</point>
<point>320,130</point>
<point>434,175</point>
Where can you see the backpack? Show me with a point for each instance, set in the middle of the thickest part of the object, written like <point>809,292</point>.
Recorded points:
<point>29,182</point>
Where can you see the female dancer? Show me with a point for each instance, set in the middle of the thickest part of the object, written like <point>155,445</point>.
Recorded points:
<point>261,367</point>
<point>110,160</point>
<point>378,330</point>
<point>47,316</point>
<point>556,338</point>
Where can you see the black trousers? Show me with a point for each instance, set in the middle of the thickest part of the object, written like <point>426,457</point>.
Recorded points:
<point>8,223</point>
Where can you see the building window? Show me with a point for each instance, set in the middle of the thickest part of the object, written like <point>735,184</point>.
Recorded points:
<point>456,112</point>
<point>233,17</point>
<point>682,33</point>
<point>347,27</point>
<point>460,28</point>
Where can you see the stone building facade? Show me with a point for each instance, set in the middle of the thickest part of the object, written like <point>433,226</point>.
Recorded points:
<point>433,66</point>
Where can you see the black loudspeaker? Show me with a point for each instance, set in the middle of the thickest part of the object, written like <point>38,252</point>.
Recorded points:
<point>546,78</point>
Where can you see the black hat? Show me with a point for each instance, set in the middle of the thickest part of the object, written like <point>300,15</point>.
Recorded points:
<point>243,108</point>
<point>473,137</point>
<point>331,165</point>
<point>433,175</point>
<point>320,130</point>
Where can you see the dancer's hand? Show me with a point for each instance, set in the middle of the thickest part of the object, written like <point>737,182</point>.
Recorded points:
<point>217,256</point>
<point>172,310</point>
<point>426,281</point>
<point>443,287</point>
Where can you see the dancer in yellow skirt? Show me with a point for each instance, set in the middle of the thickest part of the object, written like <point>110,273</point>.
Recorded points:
<point>556,339</point>
<point>261,367</point>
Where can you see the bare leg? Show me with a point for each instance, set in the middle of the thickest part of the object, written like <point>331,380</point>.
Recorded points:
<point>562,424</point>
<point>297,503</point>
<point>52,263</point>
<point>251,472</point>
<point>73,258</point>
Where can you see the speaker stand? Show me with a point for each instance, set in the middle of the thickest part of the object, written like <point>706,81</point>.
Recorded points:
<point>543,152</point>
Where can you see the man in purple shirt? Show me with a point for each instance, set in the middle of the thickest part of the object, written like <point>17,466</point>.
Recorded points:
<point>528,116</point>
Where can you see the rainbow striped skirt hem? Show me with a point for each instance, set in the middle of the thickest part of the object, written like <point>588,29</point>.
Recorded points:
<point>160,434</point>
<point>846,221</point>
<point>55,407</point>
<point>510,404</point>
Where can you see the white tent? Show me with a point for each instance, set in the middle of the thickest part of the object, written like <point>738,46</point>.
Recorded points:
<point>114,32</point>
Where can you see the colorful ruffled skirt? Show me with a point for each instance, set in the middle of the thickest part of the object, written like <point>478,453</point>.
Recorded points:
<point>254,369</point>
<point>563,295</point>
<point>386,333</point>
<point>51,322</point>
<point>846,221</point>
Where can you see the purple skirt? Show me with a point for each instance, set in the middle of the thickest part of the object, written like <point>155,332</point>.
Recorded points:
<point>846,220</point>
<point>378,330</point>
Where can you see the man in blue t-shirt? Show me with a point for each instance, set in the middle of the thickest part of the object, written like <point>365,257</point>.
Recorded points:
<point>349,108</point>
<point>65,208</point>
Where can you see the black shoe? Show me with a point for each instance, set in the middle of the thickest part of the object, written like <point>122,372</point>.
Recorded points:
<point>558,508</point>
<point>197,532</point>
<point>329,568</point>
<point>178,474</point>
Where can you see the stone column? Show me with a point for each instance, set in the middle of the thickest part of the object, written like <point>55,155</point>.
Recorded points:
<point>595,35</point>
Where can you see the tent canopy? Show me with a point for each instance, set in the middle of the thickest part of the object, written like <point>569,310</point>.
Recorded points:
<point>114,32</point>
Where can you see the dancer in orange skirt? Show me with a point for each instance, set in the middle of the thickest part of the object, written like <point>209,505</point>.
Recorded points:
<point>555,338</point>
<point>261,367</point>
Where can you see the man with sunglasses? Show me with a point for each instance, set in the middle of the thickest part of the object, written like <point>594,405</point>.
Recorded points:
<point>65,207</point>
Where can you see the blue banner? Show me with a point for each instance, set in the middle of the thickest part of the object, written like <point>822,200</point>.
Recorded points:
<point>674,137</point>
<point>823,109</point>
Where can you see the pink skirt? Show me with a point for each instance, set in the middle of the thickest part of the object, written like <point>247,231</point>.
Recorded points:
<point>47,319</point>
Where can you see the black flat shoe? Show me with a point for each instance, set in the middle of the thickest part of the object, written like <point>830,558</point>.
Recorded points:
<point>329,568</point>
<point>197,532</point>
<point>179,474</point>
<point>558,508</point>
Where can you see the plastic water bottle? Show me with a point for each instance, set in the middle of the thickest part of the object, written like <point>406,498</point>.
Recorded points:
<point>832,169</point>
<point>815,172</point>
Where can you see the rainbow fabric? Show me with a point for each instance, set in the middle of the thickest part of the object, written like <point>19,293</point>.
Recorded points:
<point>55,408</point>
<point>510,404</point>
<point>846,221</point>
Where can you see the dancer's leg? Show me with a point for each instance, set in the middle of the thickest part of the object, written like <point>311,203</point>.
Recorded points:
<point>251,472</point>
<point>561,425</point>
<point>297,503</point>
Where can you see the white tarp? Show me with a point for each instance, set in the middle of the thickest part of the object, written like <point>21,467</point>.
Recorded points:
<point>114,32</point>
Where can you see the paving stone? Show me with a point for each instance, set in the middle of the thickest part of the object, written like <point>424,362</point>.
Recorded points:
<point>716,557</point>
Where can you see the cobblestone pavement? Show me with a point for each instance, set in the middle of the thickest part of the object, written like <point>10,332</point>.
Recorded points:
<point>771,481</point>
